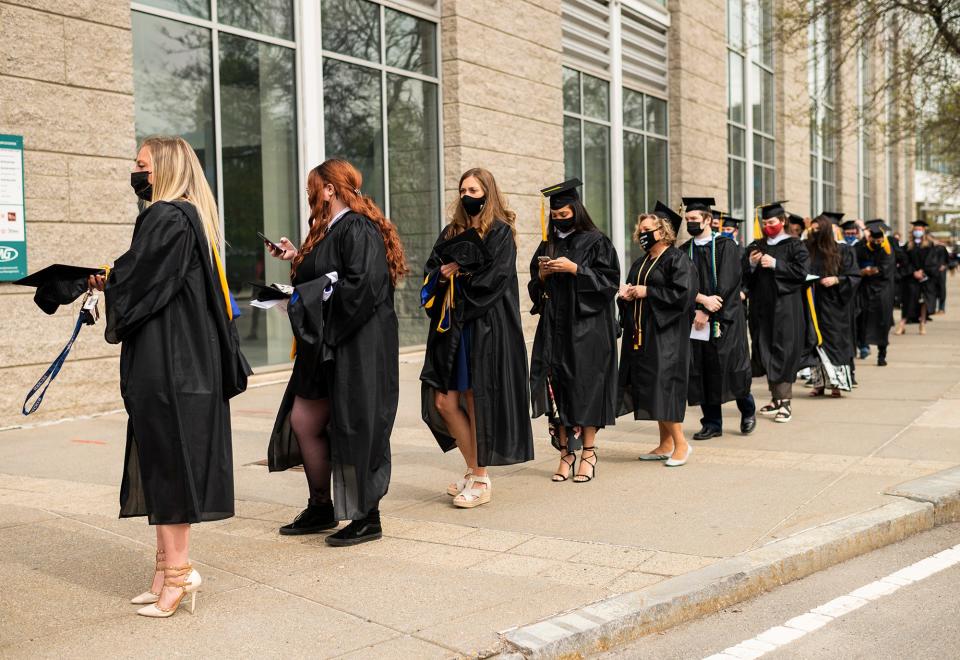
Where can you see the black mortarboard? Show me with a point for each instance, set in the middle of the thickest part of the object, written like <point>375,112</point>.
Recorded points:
<point>562,194</point>
<point>265,292</point>
<point>833,216</point>
<point>698,203</point>
<point>920,223</point>
<point>731,222</point>
<point>466,249</point>
<point>849,224</point>
<point>58,284</point>
<point>668,214</point>
<point>877,227</point>
<point>772,210</point>
<point>795,219</point>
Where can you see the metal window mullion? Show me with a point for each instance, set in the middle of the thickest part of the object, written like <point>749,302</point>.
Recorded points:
<point>217,125</point>
<point>617,204</point>
<point>211,24</point>
<point>383,112</point>
<point>310,94</point>
<point>349,59</point>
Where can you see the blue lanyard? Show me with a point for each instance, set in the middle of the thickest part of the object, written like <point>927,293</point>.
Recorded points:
<point>54,368</point>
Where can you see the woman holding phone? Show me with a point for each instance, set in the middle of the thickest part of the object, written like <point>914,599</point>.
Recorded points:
<point>338,410</point>
<point>474,378</point>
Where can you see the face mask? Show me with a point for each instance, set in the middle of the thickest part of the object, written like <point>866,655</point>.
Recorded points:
<point>647,240</point>
<point>849,240</point>
<point>141,185</point>
<point>564,225</point>
<point>694,228</point>
<point>473,205</point>
<point>918,233</point>
<point>727,232</point>
<point>772,230</point>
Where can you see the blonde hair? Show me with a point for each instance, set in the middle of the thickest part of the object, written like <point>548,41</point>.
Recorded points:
<point>669,236</point>
<point>177,175</point>
<point>495,207</point>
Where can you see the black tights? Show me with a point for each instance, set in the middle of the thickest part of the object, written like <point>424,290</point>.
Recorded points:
<point>309,419</point>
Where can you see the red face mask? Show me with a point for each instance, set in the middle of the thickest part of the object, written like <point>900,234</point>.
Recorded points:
<point>772,230</point>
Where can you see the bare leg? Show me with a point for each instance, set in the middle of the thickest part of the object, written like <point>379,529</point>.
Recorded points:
<point>157,583</point>
<point>176,544</point>
<point>923,318</point>
<point>666,440</point>
<point>563,470</point>
<point>472,413</point>
<point>681,447</point>
<point>309,419</point>
<point>459,424</point>
<point>588,453</point>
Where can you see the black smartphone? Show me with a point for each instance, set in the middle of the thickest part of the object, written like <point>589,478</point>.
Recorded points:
<point>273,246</point>
<point>544,259</point>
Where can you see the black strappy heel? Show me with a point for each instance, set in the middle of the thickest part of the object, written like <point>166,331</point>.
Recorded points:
<point>557,477</point>
<point>584,478</point>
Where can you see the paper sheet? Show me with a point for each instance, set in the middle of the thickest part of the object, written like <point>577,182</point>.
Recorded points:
<point>269,304</point>
<point>700,335</point>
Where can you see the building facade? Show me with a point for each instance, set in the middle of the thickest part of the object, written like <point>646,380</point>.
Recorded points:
<point>641,99</point>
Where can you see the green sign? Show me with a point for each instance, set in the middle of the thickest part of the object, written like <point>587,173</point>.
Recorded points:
<point>13,223</point>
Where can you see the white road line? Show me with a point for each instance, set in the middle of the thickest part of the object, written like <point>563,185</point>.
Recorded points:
<point>818,617</point>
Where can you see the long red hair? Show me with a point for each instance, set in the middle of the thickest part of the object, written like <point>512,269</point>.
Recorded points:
<point>346,181</point>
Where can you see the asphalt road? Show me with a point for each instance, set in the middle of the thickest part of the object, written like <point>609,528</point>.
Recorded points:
<point>917,621</point>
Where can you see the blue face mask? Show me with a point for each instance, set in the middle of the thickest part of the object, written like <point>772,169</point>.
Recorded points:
<point>849,240</point>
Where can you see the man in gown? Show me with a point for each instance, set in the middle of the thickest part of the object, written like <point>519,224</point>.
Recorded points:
<point>878,270</point>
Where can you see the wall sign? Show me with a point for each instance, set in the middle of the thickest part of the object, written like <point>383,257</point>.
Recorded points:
<point>13,224</point>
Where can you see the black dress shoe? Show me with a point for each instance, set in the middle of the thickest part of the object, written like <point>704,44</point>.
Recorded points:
<point>315,518</point>
<point>359,531</point>
<point>747,424</point>
<point>706,433</point>
<point>881,361</point>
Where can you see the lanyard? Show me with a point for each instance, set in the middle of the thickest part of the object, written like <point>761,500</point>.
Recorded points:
<point>638,304</point>
<point>715,325</point>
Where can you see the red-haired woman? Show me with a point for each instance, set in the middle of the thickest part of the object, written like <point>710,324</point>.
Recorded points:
<point>474,393</point>
<point>338,411</point>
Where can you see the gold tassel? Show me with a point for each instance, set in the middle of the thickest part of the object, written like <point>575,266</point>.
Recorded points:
<point>543,221</point>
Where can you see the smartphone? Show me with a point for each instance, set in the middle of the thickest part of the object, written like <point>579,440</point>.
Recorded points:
<point>273,246</point>
<point>544,260</point>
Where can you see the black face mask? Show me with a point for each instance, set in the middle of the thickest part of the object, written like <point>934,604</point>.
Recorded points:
<point>647,240</point>
<point>473,205</point>
<point>141,185</point>
<point>564,224</point>
<point>694,228</point>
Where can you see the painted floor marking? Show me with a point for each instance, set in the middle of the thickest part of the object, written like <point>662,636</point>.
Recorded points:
<point>818,617</point>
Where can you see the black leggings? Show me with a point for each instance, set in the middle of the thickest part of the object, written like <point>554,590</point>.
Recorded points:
<point>309,419</point>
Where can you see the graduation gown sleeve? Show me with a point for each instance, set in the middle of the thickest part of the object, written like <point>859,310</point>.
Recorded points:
<point>481,289</point>
<point>672,299</point>
<point>598,278</point>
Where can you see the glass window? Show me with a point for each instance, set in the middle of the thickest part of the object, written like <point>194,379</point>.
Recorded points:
<point>411,42</point>
<point>735,87</point>
<point>572,165</point>
<point>260,178</point>
<point>596,161</point>
<point>634,190</point>
<point>173,85</point>
<point>633,110</point>
<point>198,8</point>
<point>414,164</point>
<point>571,90</point>
<point>351,27</point>
<point>737,141</point>
<point>657,172</point>
<point>735,23</point>
<point>656,116</point>
<point>353,121</point>
<point>272,17</point>
<point>596,98</point>
<point>736,187</point>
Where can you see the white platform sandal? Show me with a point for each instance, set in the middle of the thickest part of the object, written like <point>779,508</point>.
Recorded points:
<point>471,497</point>
<point>457,486</point>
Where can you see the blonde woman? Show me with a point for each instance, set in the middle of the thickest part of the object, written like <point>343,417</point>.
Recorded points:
<point>167,305</point>
<point>919,273</point>
<point>657,309</point>
<point>474,378</point>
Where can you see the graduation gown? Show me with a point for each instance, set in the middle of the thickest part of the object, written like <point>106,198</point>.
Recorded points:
<point>576,340</point>
<point>719,368</point>
<point>942,260</point>
<point>777,322</point>
<point>913,293</point>
<point>834,308</point>
<point>165,309</point>
<point>489,300</point>
<point>654,377</point>
<point>356,346</point>
<point>876,293</point>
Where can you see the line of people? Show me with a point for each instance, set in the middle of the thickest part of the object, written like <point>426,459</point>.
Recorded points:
<point>682,317</point>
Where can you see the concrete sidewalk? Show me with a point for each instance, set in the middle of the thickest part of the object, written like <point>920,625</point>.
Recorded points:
<point>444,581</point>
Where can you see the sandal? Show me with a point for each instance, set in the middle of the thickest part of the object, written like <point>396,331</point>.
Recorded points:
<point>472,497</point>
<point>457,486</point>
<point>817,391</point>
<point>585,460</point>
<point>835,394</point>
<point>559,477</point>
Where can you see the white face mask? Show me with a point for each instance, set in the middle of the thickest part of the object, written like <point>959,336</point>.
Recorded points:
<point>918,233</point>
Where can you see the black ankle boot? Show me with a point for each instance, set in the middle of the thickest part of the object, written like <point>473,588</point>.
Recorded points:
<point>882,356</point>
<point>359,531</point>
<point>315,518</point>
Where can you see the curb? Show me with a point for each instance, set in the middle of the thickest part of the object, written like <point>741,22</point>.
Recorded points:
<point>927,502</point>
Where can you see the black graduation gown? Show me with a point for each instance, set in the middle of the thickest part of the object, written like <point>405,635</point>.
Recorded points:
<point>777,322</point>
<point>834,308</point>
<point>942,260</point>
<point>654,378</point>
<point>489,299</point>
<point>165,309</point>
<point>357,343</point>
<point>876,294</point>
<point>918,257</point>
<point>719,368</point>
<point>576,339</point>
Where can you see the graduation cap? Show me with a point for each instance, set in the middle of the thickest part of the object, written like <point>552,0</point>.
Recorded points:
<point>466,249</point>
<point>58,284</point>
<point>663,211</point>
<point>265,292</point>
<point>849,224</point>
<point>920,223</point>
<point>795,219</point>
<point>877,227</point>
<point>833,216</point>
<point>562,194</point>
<point>698,203</point>
<point>772,210</point>
<point>731,222</point>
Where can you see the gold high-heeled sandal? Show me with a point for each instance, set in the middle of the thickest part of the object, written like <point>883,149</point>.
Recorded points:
<point>148,597</point>
<point>174,577</point>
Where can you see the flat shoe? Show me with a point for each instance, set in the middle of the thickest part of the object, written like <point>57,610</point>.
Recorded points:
<point>672,462</point>
<point>653,457</point>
